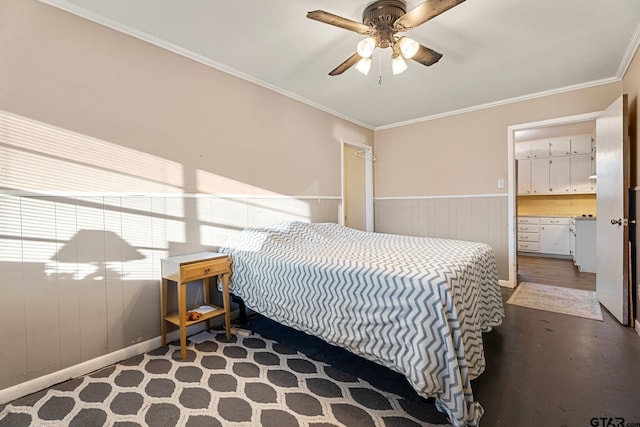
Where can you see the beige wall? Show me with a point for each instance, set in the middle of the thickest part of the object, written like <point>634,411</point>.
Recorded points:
<point>467,153</point>
<point>114,131</point>
<point>463,155</point>
<point>77,75</point>
<point>631,86</point>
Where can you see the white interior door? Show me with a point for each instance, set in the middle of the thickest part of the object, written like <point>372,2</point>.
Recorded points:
<point>354,189</point>
<point>357,186</point>
<point>612,157</point>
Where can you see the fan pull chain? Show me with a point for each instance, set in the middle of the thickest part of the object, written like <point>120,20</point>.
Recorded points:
<point>379,68</point>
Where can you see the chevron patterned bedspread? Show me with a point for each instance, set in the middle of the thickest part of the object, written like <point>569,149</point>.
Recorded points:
<point>416,305</point>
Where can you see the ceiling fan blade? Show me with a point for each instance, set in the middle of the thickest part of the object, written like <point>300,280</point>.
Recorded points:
<point>424,12</point>
<point>339,21</point>
<point>426,56</point>
<point>353,59</point>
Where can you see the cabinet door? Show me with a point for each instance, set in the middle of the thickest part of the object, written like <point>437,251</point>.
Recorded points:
<point>540,176</point>
<point>539,149</point>
<point>554,239</point>
<point>524,176</point>
<point>572,239</point>
<point>522,151</point>
<point>560,147</point>
<point>559,175</point>
<point>581,144</point>
<point>580,173</point>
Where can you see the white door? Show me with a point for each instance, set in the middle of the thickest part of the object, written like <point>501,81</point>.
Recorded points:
<point>356,207</point>
<point>612,195</point>
<point>354,189</point>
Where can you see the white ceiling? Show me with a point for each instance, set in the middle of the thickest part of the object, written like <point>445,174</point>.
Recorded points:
<point>494,50</point>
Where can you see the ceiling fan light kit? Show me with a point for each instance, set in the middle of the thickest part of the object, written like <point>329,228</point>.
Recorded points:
<point>366,47</point>
<point>398,64</point>
<point>364,65</point>
<point>381,21</point>
<point>408,47</point>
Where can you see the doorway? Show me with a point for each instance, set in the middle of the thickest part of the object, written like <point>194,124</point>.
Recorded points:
<point>558,267</point>
<point>613,261</point>
<point>556,205</point>
<point>356,209</point>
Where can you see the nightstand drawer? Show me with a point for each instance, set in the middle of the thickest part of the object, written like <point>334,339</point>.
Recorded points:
<point>199,270</point>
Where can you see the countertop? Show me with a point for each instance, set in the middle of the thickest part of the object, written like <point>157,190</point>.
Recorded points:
<point>558,216</point>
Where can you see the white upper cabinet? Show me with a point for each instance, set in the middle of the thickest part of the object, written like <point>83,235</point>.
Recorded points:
<point>539,149</point>
<point>556,166</point>
<point>559,175</point>
<point>581,165</point>
<point>524,176</point>
<point>560,147</point>
<point>581,144</point>
<point>523,151</point>
<point>539,176</point>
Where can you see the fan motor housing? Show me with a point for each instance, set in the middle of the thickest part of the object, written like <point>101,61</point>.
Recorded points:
<point>381,15</point>
<point>383,12</point>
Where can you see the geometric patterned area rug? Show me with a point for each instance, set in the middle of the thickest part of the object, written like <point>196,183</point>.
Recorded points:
<point>244,381</point>
<point>574,302</point>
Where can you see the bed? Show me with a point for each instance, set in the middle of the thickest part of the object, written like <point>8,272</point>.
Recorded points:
<point>416,305</point>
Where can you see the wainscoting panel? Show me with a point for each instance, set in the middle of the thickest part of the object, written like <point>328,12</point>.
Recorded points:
<point>474,218</point>
<point>81,274</point>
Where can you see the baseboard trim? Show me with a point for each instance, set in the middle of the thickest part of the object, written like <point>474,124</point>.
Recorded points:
<point>45,381</point>
<point>20,390</point>
<point>506,284</point>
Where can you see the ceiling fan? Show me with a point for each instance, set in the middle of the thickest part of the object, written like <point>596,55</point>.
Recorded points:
<point>381,21</point>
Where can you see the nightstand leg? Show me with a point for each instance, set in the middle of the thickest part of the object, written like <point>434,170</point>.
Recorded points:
<point>206,283</point>
<point>164,311</point>
<point>182,312</point>
<point>227,308</point>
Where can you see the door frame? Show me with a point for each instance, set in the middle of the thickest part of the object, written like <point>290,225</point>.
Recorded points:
<point>368,182</point>
<point>511,175</point>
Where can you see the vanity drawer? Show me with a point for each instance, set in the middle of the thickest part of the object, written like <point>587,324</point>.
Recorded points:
<point>528,228</point>
<point>528,246</point>
<point>528,220</point>
<point>555,221</point>
<point>528,237</point>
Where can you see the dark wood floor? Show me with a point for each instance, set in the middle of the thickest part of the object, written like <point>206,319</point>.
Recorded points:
<point>555,272</point>
<point>550,369</point>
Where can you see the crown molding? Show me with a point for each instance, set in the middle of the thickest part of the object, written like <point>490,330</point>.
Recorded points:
<point>74,9</point>
<point>141,35</point>
<point>499,103</point>
<point>631,50</point>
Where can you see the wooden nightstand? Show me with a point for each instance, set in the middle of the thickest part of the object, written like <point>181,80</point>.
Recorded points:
<point>182,269</point>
